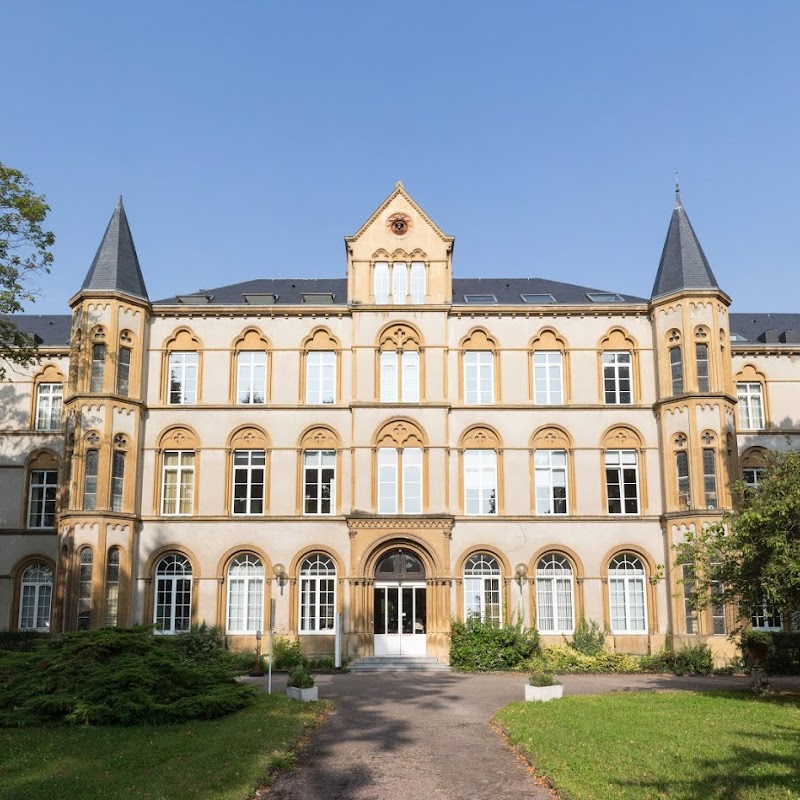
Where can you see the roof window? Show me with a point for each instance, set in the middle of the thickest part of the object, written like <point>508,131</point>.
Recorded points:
<point>480,298</point>
<point>318,298</point>
<point>260,299</point>
<point>604,297</point>
<point>537,299</point>
<point>195,299</point>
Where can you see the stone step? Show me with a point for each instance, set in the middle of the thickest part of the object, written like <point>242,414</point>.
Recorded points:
<point>398,664</point>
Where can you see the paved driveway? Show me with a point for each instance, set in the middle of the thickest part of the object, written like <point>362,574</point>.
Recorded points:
<point>404,736</point>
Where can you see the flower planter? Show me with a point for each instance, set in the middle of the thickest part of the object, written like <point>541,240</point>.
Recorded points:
<point>542,694</point>
<point>304,695</point>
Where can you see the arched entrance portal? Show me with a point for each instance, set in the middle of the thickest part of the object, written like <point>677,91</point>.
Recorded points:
<point>401,611</point>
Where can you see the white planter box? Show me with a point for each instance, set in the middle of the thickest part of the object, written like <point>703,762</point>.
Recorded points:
<point>306,695</point>
<point>542,694</point>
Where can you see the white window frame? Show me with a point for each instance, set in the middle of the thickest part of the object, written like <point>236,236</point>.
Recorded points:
<point>244,613</point>
<point>555,595</point>
<point>388,489</point>
<point>317,595</point>
<point>419,278</point>
<point>479,378</point>
<point>482,589</point>
<point>380,282</point>
<point>399,376</point>
<point>751,405</point>
<point>617,463</point>
<point>550,474</point>
<point>399,283</point>
<point>617,371</point>
<point>480,483</point>
<point>181,476</point>
<point>548,377</point>
<point>320,377</point>
<point>246,466</point>
<point>182,372</point>
<point>318,463</point>
<point>49,399</point>
<point>765,618</point>
<point>251,377</point>
<point>35,598</point>
<point>173,575</point>
<point>627,579</point>
<point>42,491</point>
<point>411,467</point>
<point>406,493</point>
<point>751,477</point>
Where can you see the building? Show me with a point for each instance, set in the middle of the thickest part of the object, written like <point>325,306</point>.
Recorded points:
<point>399,446</point>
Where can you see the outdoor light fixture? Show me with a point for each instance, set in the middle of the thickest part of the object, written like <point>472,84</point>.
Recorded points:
<point>280,575</point>
<point>521,571</point>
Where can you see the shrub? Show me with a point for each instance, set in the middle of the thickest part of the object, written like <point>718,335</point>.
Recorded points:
<point>22,641</point>
<point>300,678</point>
<point>588,638</point>
<point>324,662</point>
<point>542,679</point>
<point>565,660</point>
<point>482,647</point>
<point>689,660</point>
<point>201,644</point>
<point>783,655</point>
<point>286,654</point>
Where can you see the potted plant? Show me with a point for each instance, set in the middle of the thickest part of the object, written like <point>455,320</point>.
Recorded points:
<point>542,686</point>
<point>756,644</point>
<point>301,684</point>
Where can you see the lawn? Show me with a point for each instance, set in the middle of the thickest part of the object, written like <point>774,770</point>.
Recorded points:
<point>222,759</point>
<point>676,745</point>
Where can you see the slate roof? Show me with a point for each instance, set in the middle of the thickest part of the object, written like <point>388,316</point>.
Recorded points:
<point>116,266</point>
<point>683,263</point>
<point>290,291</point>
<point>49,329</point>
<point>765,328</point>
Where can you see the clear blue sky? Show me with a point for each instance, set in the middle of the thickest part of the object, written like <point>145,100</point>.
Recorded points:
<point>248,138</point>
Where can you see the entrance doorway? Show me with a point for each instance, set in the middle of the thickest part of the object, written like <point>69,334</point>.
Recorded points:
<point>401,614</point>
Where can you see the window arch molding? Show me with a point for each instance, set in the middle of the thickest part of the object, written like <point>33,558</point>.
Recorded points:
<point>319,438</point>
<point>293,575</point>
<point>577,578</point>
<point>247,438</point>
<point>150,577</point>
<point>223,579</point>
<point>506,574</point>
<point>400,459</point>
<point>548,339</point>
<point>753,398</point>
<point>404,342</point>
<point>481,439</point>
<point>320,339</point>
<point>181,340</point>
<point>408,541</point>
<point>127,378</point>
<point>552,438</point>
<point>481,584</point>
<point>46,410</point>
<point>674,374</point>
<point>177,439</point>
<point>479,340</point>
<point>618,340</point>
<point>705,374</point>
<point>17,574</point>
<point>98,357</point>
<point>625,438</point>
<point>388,286</point>
<point>250,340</point>
<point>650,571</point>
<point>680,493</point>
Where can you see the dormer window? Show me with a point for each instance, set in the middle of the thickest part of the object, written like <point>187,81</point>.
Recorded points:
<point>537,299</point>
<point>604,297</point>
<point>399,283</point>
<point>318,298</point>
<point>260,299</point>
<point>479,299</point>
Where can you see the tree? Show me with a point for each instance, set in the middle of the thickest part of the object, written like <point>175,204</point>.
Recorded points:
<point>752,558</point>
<point>24,251</point>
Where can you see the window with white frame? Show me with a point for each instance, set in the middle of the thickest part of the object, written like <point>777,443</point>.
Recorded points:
<point>766,617</point>
<point>380,275</point>
<point>172,612</point>
<point>182,378</point>
<point>550,477</point>
<point>319,481</point>
<point>676,369</point>
<point>399,283</point>
<point>482,589</point>
<point>752,476</point>
<point>249,469</point>
<point>85,568</point>
<point>245,595</point>
<point>91,466</point>
<point>710,477</point>
<point>751,406</point>
<point>480,482</point>
<point>617,381</point>
<point>317,594</point>
<point>478,377</point>
<point>177,496</point>
<point>320,377</point>
<point>701,360</point>
<point>682,470</point>
<point>399,379</point>
<point>405,494</point>
<point>42,498</point>
<point>555,602</point>
<point>117,480</point>
<point>626,592</point>
<point>48,406</point>
<point>548,381</point>
<point>35,597</point>
<point>112,588</point>
<point>251,377</point>
<point>418,283</point>
<point>622,481</point>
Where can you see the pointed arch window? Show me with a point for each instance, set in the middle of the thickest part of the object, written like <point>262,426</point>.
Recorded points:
<point>118,472</point>
<point>478,366</point>
<point>91,468</point>
<point>701,359</point>
<point>710,477</point>
<point>317,594</point>
<point>85,568</point>
<point>555,602</point>
<point>112,588</point>
<point>617,359</point>
<point>173,594</point>
<point>397,282</point>
<point>621,461</point>
<point>682,472</point>
<point>481,484</point>
<point>627,597</point>
<point>35,597</point>
<point>245,595</point>
<point>399,364</point>
<point>320,378</point>
<point>482,578</point>
<point>49,399</point>
<point>182,369</point>
<point>399,462</point>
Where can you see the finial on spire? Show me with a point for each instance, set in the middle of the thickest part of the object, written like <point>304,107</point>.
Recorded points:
<point>398,185</point>
<point>677,190</point>
<point>119,202</point>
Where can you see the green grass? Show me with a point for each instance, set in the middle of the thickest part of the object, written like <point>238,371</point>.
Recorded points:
<point>676,745</point>
<point>221,759</point>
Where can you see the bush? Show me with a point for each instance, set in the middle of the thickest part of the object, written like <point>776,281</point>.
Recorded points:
<point>300,678</point>
<point>201,644</point>
<point>588,638</point>
<point>689,660</point>
<point>324,662</point>
<point>481,647</point>
<point>542,679</point>
<point>783,656</point>
<point>117,676</point>
<point>286,654</point>
<point>22,641</point>
<point>565,660</point>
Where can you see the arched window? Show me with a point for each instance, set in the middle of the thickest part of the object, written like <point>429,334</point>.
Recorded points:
<point>249,448</point>
<point>701,359</point>
<point>478,368</point>
<point>35,596</point>
<point>550,470</point>
<point>319,373</point>
<point>182,368</point>
<point>549,368</point>
<point>319,465</point>
<point>675,361</point>
<point>482,589</point>
<point>91,468</point>
<point>317,594</point>
<point>481,447</point>
<point>710,498</point>
<point>252,368</point>
<point>555,603</point>
<point>621,459</point>
<point>178,472</point>
<point>626,594</point>
<point>112,587</point>
<point>49,396</point>
<point>399,278</point>
<point>399,357</point>
<point>682,472</point>
<point>85,567</point>
<point>172,611</point>
<point>245,595</point>
<point>98,360</point>
<point>750,393</point>
<point>42,489</point>
<point>124,363</point>
<point>754,466</point>
<point>399,468</point>
<point>617,362</point>
<point>118,472</point>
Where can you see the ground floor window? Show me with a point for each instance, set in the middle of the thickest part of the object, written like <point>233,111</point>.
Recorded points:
<point>554,595</point>
<point>245,595</point>
<point>766,618</point>
<point>173,597</point>
<point>626,590</point>
<point>317,594</point>
<point>482,589</point>
<point>35,596</point>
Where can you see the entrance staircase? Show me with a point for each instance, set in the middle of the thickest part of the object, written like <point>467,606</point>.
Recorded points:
<point>398,664</point>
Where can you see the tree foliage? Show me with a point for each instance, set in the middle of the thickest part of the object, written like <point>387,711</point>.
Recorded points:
<point>24,251</point>
<point>752,558</point>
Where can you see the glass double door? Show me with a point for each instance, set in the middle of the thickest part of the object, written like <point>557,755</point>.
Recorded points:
<point>401,619</point>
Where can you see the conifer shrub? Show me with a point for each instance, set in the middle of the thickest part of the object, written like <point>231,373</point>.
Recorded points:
<point>300,678</point>
<point>22,641</point>
<point>589,638</point>
<point>477,646</point>
<point>117,676</point>
<point>286,654</point>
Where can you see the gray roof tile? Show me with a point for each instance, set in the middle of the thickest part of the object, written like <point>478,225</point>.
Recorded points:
<point>49,329</point>
<point>766,328</point>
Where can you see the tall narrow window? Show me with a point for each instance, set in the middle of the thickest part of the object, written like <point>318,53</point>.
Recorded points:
<point>551,481</point>
<point>399,376</point>
<point>123,371</point>
<point>418,287</point>
<point>676,370</point>
<point>249,468</point>
<point>480,482</point>
<point>682,469</point>
<point>251,377</point>
<point>482,589</point>
<point>622,481</point>
<point>710,477</point>
<point>183,378</point>
<point>751,406</point>
<point>319,478</point>
<point>719,623</point>
<point>172,612</point>
<point>690,612</point>
<point>548,378</point>
<point>112,588</point>
<point>320,377</point>
<point>178,483</point>
<point>36,593</point>
<point>92,464</point>
<point>399,283</point>
<point>617,383</point>
<point>98,367</point>
<point>381,282</point>
<point>554,595</point>
<point>85,565</point>
<point>389,382</point>
<point>411,460</point>
<point>701,359</point>
<point>478,378</point>
<point>117,480</point>
<point>245,595</point>
<point>317,594</point>
<point>410,376</point>
<point>399,480</point>
<point>42,498</point>
<point>626,589</point>
<point>48,406</point>
<point>387,480</point>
